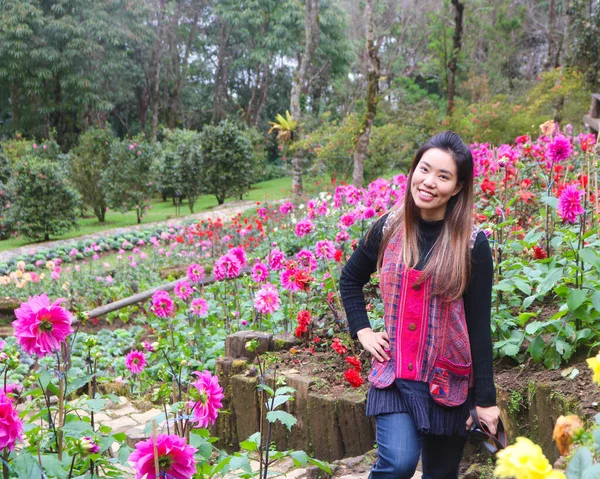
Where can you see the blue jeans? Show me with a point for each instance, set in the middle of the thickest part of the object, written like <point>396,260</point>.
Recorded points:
<point>400,445</point>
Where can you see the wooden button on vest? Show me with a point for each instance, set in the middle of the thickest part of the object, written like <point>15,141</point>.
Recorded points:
<point>412,326</point>
<point>416,287</point>
<point>410,366</point>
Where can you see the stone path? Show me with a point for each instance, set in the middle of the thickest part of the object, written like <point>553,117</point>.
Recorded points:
<point>224,211</point>
<point>126,417</point>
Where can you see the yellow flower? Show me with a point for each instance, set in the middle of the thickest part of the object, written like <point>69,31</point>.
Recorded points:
<point>27,277</point>
<point>594,364</point>
<point>524,460</point>
<point>18,273</point>
<point>50,265</point>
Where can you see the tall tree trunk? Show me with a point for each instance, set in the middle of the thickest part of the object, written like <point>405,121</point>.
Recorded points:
<point>221,75</point>
<point>311,31</point>
<point>264,87</point>
<point>143,106</point>
<point>456,47</point>
<point>177,98</point>
<point>250,109</point>
<point>157,65</point>
<point>551,38</point>
<point>373,68</point>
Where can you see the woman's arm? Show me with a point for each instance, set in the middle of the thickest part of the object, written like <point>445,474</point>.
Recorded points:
<point>356,273</point>
<point>478,304</point>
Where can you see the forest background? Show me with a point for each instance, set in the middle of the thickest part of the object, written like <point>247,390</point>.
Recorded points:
<point>364,81</point>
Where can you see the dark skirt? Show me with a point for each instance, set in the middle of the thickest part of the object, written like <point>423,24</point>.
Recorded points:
<point>413,397</point>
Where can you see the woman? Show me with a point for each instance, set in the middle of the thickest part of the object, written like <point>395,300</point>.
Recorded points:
<point>434,359</point>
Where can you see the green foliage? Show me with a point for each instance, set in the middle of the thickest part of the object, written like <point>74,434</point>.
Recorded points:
<point>89,160</point>
<point>584,40</point>
<point>46,200</point>
<point>227,160</point>
<point>182,162</point>
<point>128,180</point>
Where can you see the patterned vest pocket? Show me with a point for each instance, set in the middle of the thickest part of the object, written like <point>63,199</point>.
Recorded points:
<point>449,385</point>
<point>382,373</point>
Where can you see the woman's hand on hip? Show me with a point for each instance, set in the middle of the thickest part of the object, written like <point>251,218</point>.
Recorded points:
<point>376,343</point>
<point>488,416</point>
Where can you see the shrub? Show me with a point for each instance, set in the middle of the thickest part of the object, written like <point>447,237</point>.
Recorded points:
<point>228,163</point>
<point>89,160</point>
<point>46,202</point>
<point>182,154</point>
<point>127,180</point>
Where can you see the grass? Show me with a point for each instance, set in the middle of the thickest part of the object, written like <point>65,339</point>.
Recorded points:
<point>164,210</point>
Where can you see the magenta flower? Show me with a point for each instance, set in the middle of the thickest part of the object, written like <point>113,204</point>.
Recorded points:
<point>368,213</point>
<point>347,220</point>
<point>195,273</point>
<point>149,346</point>
<point>183,290</point>
<point>266,299</point>
<point>175,458</point>
<point>209,395</point>
<point>260,272</point>
<point>304,227</point>
<point>288,278</point>
<point>88,445</point>
<point>569,204</point>
<point>240,254</point>
<point>227,266</point>
<point>199,307</point>
<point>42,327</point>
<point>135,361</point>
<point>342,236</point>
<point>11,427</point>
<point>162,304</point>
<point>325,249</point>
<point>559,148</point>
<point>307,259</point>
<point>276,258</point>
<point>286,208</point>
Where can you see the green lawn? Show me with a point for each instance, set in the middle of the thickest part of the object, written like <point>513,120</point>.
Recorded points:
<point>164,210</point>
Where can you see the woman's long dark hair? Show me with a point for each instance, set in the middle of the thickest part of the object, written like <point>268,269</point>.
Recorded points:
<point>450,261</point>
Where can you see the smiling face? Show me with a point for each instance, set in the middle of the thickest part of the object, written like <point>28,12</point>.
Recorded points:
<point>434,182</point>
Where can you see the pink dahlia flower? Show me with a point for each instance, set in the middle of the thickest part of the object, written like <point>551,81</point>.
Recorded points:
<point>286,208</point>
<point>195,273</point>
<point>11,427</point>
<point>342,236</point>
<point>227,266</point>
<point>42,327</point>
<point>199,307</point>
<point>347,220</point>
<point>266,299</point>
<point>559,148</point>
<point>569,204</point>
<point>368,213</point>
<point>135,361</point>
<point>288,278</point>
<point>276,257</point>
<point>307,259</point>
<point>304,227</point>
<point>88,445</point>
<point>240,254</point>
<point>260,272</point>
<point>209,395</point>
<point>162,304</point>
<point>183,290</point>
<point>175,458</point>
<point>325,249</point>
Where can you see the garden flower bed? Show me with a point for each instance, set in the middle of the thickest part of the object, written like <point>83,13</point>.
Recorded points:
<point>536,200</point>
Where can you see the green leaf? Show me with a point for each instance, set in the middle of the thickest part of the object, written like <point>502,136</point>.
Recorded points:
<point>45,378</point>
<point>124,453</point>
<point>580,461</point>
<point>54,467</point>
<point>248,445</point>
<point>285,418</point>
<point>523,286</point>
<point>26,466</point>
<point>510,349</point>
<point>575,298</point>
<point>589,256</point>
<point>596,300</point>
<point>299,457</point>
<point>551,279</point>
<point>535,326</point>
<point>524,317</point>
<point>536,348</point>
<point>528,301</point>
<point>76,428</point>
<point>266,388</point>
<point>277,401</point>
<point>550,200</point>
<point>201,443</point>
<point>284,390</point>
<point>592,472</point>
<point>320,464</point>
<point>95,405</point>
<point>240,462</point>
<point>78,382</point>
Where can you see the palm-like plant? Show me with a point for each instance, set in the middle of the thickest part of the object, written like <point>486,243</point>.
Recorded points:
<point>285,127</point>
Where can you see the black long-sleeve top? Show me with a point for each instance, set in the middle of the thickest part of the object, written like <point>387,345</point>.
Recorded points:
<point>477,297</point>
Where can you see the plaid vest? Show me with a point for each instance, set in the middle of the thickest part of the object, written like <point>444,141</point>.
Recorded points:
<point>428,336</point>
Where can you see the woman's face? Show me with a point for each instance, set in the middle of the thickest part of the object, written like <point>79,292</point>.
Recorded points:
<point>434,182</point>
